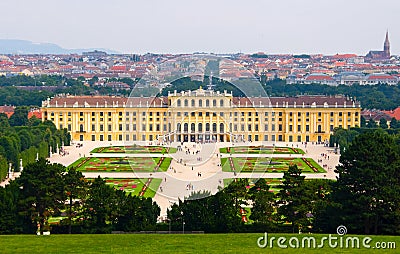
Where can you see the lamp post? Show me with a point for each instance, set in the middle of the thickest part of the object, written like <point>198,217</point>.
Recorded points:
<point>183,223</point>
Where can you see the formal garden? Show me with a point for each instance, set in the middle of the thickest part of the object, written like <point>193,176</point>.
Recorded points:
<point>261,150</point>
<point>143,187</point>
<point>134,149</point>
<point>136,164</point>
<point>269,165</point>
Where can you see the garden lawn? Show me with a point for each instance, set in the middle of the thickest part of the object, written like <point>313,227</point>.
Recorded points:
<point>142,164</point>
<point>153,187</point>
<point>132,186</point>
<point>270,165</point>
<point>161,243</point>
<point>261,150</point>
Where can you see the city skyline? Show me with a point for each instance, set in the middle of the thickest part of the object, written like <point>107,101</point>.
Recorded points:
<point>290,27</point>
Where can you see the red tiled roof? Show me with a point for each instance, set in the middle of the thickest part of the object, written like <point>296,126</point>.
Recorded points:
<point>393,113</point>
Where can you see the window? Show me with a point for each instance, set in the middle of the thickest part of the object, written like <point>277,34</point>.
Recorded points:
<point>186,103</point>
<point>249,127</point>
<point>134,127</point>
<point>266,128</point>
<point>256,128</point>
<point>93,127</point>
<point>143,127</point>
<point>109,138</point>
<point>93,114</point>
<point>178,103</point>
<point>221,103</point>
<point>214,103</point>
<point>307,127</point>
<point>120,128</point>
<point>127,137</point>
<point>200,103</point>
<point>109,128</point>
<point>192,103</point>
<point>101,138</point>
<point>93,137</point>
<point>207,103</point>
<point>265,137</point>
<point>290,128</point>
<point>127,127</point>
<point>299,128</point>
<point>280,127</point>
<point>80,113</point>
<point>109,113</point>
<point>101,127</point>
<point>273,127</point>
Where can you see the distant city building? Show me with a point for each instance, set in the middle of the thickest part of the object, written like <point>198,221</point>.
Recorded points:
<point>385,54</point>
<point>94,54</point>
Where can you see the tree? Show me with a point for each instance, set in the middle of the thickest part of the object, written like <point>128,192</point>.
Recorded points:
<point>20,117</point>
<point>394,124</point>
<point>75,192</point>
<point>42,190</point>
<point>383,123</point>
<point>371,124</point>
<point>369,183</point>
<point>4,121</point>
<point>263,202</point>
<point>294,203</point>
<point>100,207</point>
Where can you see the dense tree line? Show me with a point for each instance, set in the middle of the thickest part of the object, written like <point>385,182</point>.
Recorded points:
<point>27,139</point>
<point>12,91</point>
<point>50,190</point>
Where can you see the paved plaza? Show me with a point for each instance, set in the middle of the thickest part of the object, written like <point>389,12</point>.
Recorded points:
<point>196,167</point>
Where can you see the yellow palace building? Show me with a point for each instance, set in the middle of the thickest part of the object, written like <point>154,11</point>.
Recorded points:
<point>202,116</point>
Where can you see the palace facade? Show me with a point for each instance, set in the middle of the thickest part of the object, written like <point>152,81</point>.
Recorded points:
<point>202,115</point>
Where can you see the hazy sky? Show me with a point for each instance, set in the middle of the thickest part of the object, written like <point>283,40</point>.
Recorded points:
<point>220,26</point>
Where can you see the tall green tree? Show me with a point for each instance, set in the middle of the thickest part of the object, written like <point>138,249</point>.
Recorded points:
<point>369,183</point>
<point>383,123</point>
<point>75,192</point>
<point>20,117</point>
<point>42,190</point>
<point>294,199</point>
<point>263,202</point>
<point>100,208</point>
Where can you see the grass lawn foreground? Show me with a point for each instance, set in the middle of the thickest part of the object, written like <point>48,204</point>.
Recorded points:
<point>161,243</point>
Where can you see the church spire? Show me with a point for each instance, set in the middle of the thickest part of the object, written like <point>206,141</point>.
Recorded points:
<point>386,45</point>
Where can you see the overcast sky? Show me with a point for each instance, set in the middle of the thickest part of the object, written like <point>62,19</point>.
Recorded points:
<point>219,26</point>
